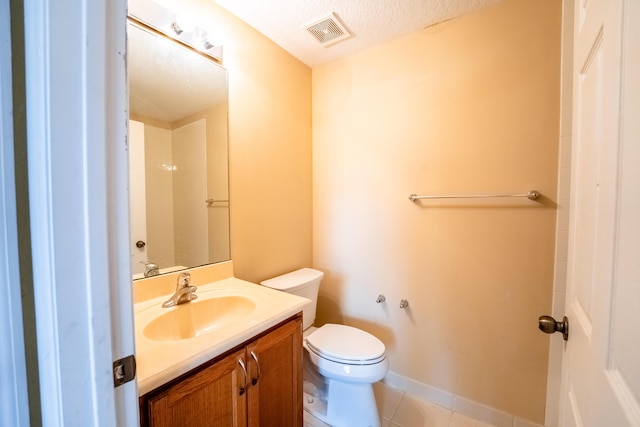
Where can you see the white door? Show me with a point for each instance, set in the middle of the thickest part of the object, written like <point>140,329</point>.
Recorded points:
<point>76,109</point>
<point>601,368</point>
<point>137,195</point>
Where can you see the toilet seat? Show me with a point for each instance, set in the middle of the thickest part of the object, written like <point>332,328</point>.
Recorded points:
<point>346,345</point>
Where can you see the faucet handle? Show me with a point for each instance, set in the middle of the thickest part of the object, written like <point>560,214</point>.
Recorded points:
<point>184,280</point>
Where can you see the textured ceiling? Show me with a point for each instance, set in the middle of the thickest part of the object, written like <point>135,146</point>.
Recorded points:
<point>370,21</point>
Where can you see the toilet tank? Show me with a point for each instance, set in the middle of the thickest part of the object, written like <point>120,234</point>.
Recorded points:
<point>305,283</point>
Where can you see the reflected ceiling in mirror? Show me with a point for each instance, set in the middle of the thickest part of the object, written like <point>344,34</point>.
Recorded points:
<point>178,155</point>
<point>167,81</point>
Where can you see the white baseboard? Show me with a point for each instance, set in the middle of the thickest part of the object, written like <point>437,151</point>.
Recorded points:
<point>455,403</point>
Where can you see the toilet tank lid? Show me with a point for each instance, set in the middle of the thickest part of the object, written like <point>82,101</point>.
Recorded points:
<point>295,280</point>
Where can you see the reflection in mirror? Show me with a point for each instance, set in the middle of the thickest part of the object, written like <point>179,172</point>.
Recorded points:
<point>177,155</point>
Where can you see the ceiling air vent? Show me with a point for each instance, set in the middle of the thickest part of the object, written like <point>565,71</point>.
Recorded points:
<point>328,30</point>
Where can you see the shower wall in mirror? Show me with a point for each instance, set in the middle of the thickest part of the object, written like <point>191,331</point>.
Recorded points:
<point>178,155</point>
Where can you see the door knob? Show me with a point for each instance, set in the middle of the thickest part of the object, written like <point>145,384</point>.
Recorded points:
<point>140,244</point>
<point>548,325</point>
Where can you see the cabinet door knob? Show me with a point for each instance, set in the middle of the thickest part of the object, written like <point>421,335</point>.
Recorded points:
<point>243,389</point>
<point>255,379</point>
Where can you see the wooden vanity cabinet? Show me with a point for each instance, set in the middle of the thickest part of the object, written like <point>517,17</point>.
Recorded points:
<point>220,394</point>
<point>208,397</point>
<point>275,372</point>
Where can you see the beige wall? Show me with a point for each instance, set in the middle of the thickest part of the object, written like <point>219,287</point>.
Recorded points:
<point>468,106</point>
<point>269,146</point>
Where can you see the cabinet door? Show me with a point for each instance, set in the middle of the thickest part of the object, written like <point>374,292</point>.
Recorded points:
<point>212,397</point>
<point>275,372</point>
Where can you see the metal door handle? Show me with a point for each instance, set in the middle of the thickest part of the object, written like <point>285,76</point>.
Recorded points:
<point>255,379</point>
<point>243,388</point>
<point>549,325</point>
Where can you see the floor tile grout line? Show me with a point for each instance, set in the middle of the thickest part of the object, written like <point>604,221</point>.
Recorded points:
<point>395,409</point>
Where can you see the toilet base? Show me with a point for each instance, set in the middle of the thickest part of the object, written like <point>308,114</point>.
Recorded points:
<point>337,403</point>
<point>309,420</point>
<point>341,405</point>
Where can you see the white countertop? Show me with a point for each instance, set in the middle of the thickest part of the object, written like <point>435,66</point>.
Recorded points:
<point>161,361</point>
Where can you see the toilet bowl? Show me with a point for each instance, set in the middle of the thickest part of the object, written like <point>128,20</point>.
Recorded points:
<point>340,362</point>
<point>347,354</point>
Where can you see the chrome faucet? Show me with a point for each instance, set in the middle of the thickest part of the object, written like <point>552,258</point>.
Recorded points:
<point>184,291</point>
<point>150,269</point>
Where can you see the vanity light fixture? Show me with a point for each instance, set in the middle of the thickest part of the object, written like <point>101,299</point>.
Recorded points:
<point>206,44</point>
<point>180,27</point>
<point>176,28</point>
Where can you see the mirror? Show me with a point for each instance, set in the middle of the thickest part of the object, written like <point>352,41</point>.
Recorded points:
<point>178,155</point>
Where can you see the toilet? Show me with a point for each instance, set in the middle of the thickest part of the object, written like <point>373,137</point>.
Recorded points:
<point>341,362</point>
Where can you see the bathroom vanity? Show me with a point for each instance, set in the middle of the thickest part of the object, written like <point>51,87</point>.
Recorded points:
<point>233,357</point>
<point>257,384</point>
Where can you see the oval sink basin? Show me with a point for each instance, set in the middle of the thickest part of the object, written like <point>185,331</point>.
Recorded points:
<point>196,318</point>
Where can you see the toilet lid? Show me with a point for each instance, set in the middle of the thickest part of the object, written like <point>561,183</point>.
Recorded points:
<point>343,343</point>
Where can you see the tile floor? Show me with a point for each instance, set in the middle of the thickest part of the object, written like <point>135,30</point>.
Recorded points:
<point>399,409</point>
